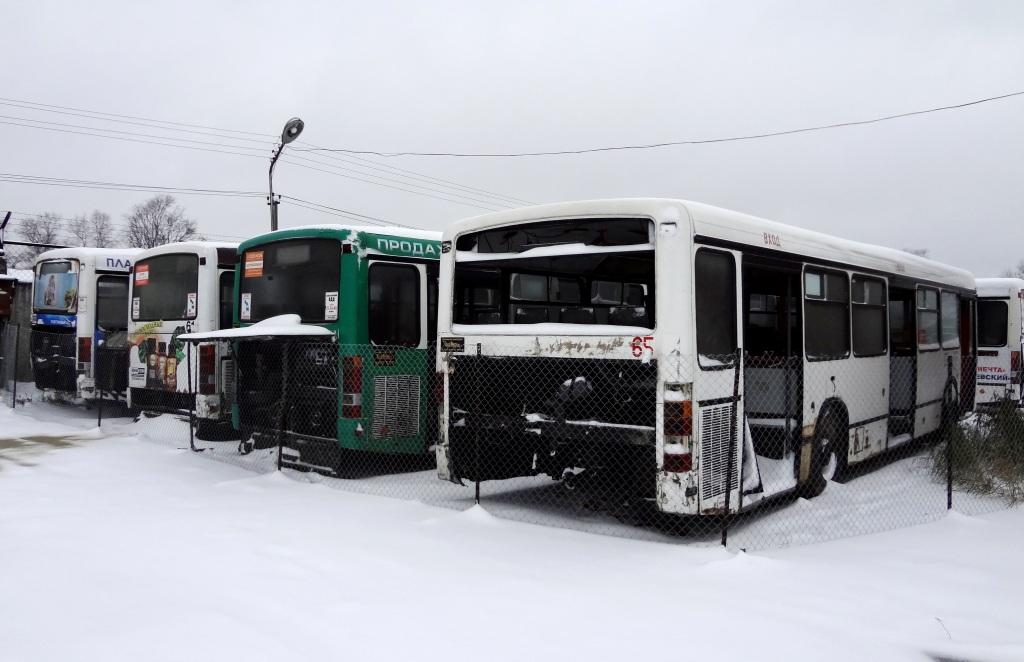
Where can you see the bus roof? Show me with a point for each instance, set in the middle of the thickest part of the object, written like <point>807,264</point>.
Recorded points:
<point>733,227</point>
<point>187,247</point>
<point>1000,287</point>
<point>421,242</point>
<point>115,259</point>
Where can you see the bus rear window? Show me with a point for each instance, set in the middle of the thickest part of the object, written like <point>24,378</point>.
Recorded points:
<point>588,232</point>
<point>608,281</point>
<point>291,276</point>
<point>166,287</point>
<point>56,286</point>
<point>993,319</point>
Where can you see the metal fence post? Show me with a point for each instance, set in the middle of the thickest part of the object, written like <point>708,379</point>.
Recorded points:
<point>191,401</point>
<point>17,343</point>
<point>99,387</point>
<point>948,425</point>
<point>732,444</point>
<point>283,405</point>
<point>476,427</point>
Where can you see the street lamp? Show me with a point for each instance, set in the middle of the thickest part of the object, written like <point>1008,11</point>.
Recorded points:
<point>291,131</point>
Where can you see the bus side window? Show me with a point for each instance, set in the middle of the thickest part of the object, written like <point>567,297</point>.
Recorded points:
<point>826,315</point>
<point>950,320</point>
<point>432,302</point>
<point>869,315</point>
<point>927,318</point>
<point>226,289</point>
<point>715,304</point>
<point>394,304</point>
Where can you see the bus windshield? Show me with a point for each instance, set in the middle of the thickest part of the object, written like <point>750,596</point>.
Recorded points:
<point>298,276</point>
<point>992,323</point>
<point>594,271</point>
<point>166,288</point>
<point>56,286</point>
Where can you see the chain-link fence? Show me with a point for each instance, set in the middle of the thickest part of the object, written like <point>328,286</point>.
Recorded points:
<point>15,365</point>
<point>757,451</point>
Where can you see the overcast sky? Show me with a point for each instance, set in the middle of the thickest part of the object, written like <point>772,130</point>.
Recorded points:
<point>532,76</point>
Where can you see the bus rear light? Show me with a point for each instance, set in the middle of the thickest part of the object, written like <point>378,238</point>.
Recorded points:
<point>85,350</point>
<point>678,462</point>
<point>438,389</point>
<point>1015,363</point>
<point>207,369</point>
<point>352,387</point>
<point>678,418</point>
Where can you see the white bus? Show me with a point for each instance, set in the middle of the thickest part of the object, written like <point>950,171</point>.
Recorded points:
<point>600,339</point>
<point>1000,339</point>
<point>79,303</point>
<point>184,287</point>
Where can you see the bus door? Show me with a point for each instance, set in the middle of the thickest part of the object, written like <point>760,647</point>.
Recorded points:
<point>902,361</point>
<point>398,365</point>
<point>110,335</point>
<point>718,384</point>
<point>968,354</point>
<point>772,368</point>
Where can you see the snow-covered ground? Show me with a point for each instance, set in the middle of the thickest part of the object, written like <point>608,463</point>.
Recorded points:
<point>115,548</point>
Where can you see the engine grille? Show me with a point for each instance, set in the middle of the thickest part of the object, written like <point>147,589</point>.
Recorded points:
<point>396,406</point>
<point>715,433</point>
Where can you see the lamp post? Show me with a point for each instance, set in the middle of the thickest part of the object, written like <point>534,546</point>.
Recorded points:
<point>291,131</point>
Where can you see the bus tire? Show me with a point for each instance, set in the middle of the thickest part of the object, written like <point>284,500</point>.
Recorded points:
<point>828,459</point>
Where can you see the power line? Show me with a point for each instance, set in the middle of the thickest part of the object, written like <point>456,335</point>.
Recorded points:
<point>671,143</point>
<point>131,140</point>
<point>15,178</point>
<point>135,133</point>
<point>459,198</point>
<point>44,106</point>
<point>171,126</point>
<point>361,217</point>
<point>412,174</point>
<point>391,186</point>
<point>221,151</point>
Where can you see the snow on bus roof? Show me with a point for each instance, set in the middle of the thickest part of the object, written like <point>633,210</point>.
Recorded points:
<point>730,226</point>
<point>281,325</point>
<point>186,247</point>
<point>999,287</point>
<point>86,252</point>
<point>411,233</point>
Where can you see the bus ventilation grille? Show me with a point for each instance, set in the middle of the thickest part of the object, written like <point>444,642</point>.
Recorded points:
<point>714,450</point>
<point>227,378</point>
<point>396,406</point>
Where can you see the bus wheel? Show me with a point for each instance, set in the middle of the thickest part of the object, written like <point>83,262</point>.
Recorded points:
<point>828,459</point>
<point>246,443</point>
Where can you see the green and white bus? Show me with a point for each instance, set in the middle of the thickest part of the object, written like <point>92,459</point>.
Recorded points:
<point>334,329</point>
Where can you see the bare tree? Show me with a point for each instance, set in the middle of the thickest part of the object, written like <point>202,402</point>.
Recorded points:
<point>43,229</point>
<point>102,230</point>
<point>1016,272</point>
<point>157,221</point>
<point>79,231</point>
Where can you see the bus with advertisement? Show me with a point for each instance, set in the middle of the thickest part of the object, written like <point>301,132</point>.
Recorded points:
<point>332,345</point>
<point>1000,340</point>
<point>79,304</point>
<point>686,356</point>
<point>180,288</point>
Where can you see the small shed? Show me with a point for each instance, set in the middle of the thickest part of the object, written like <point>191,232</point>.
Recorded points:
<point>16,317</point>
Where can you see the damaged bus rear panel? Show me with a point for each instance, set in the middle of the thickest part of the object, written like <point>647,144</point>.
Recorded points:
<point>685,355</point>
